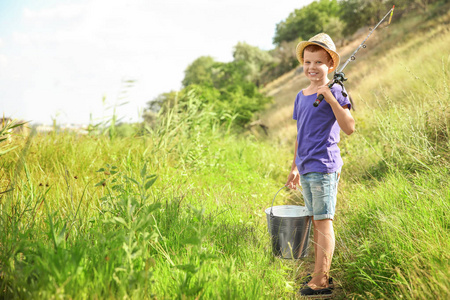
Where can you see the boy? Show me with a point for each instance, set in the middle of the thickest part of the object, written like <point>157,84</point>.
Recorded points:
<point>317,161</point>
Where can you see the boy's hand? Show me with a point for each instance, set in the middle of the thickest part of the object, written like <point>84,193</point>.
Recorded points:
<point>293,179</point>
<point>326,92</point>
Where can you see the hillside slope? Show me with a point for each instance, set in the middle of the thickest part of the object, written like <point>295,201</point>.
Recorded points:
<point>385,42</point>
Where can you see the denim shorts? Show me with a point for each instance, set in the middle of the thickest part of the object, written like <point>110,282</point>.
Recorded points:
<point>319,192</point>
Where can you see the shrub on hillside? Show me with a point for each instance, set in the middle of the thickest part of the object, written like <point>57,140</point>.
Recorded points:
<point>226,89</point>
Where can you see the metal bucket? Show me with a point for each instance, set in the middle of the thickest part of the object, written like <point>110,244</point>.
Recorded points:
<point>289,227</point>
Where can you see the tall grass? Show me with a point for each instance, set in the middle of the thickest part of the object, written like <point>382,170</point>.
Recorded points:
<point>177,213</point>
<point>393,235</point>
<point>394,238</point>
<point>404,115</point>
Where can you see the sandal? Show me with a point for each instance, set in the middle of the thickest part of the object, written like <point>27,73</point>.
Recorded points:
<point>320,293</point>
<point>309,277</point>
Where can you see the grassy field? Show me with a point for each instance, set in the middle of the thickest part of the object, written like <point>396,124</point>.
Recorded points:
<point>178,213</point>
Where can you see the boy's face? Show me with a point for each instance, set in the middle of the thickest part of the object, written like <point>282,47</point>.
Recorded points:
<point>316,65</point>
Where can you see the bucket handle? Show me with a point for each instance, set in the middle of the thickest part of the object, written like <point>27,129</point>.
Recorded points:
<point>271,207</point>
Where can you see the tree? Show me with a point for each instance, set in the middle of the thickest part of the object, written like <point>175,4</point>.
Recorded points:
<point>199,71</point>
<point>223,88</point>
<point>284,60</point>
<point>334,28</point>
<point>253,61</point>
<point>306,22</point>
<point>163,102</point>
<point>359,13</point>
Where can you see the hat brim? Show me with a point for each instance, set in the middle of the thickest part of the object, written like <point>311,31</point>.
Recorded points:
<point>334,55</point>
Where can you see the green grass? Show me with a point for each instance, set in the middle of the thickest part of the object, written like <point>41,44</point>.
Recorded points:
<point>178,213</point>
<point>394,237</point>
<point>393,234</point>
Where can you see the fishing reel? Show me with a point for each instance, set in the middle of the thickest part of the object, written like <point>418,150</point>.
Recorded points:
<point>338,78</point>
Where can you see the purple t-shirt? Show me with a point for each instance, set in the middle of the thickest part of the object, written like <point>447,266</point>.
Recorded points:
<point>318,133</point>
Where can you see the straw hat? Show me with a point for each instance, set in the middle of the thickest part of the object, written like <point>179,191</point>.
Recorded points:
<point>322,40</point>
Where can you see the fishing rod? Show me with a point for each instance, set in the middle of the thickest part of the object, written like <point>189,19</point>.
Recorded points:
<point>339,76</point>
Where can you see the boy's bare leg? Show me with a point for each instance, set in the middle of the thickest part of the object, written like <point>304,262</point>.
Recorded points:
<point>316,240</point>
<point>324,248</point>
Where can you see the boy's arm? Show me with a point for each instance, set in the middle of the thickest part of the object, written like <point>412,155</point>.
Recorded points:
<point>343,117</point>
<point>294,176</point>
<point>342,113</point>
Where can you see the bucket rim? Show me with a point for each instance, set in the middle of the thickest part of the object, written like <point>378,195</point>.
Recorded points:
<point>271,211</point>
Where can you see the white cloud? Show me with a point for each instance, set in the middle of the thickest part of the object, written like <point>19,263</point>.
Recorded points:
<point>64,12</point>
<point>3,61</point>
<point>68,56</point>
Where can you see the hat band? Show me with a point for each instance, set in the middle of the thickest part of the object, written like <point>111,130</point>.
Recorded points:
<point>321,44</point>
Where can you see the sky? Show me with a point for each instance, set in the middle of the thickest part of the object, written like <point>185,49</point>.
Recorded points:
<point>70,60</point>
